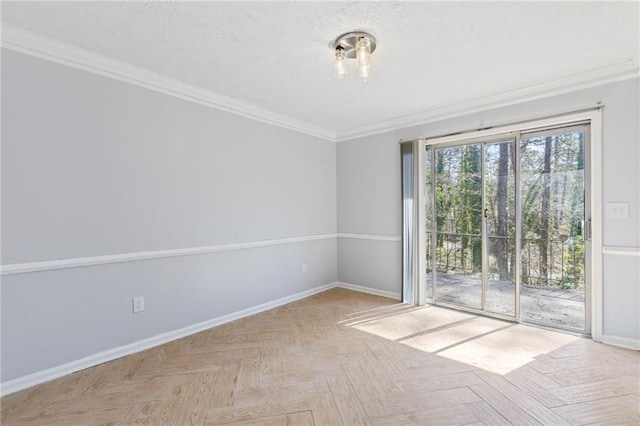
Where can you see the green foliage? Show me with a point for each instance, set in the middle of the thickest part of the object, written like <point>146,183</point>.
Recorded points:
<point>573,276</point>
<point>458,197</point>
<point>552,202</point>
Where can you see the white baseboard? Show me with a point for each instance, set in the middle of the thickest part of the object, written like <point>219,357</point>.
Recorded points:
<point>36,378</point>
<point>369,290</point>
<point>623,342</point>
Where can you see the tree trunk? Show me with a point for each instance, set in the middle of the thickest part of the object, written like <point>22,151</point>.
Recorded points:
<point>440,204</point>
<point>544,214</point>
<point>502,213</point>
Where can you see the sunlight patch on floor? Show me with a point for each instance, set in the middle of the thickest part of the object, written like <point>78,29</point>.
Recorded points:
<point>490,344</point>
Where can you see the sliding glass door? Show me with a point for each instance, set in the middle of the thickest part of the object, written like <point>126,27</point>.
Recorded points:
<point>505,222</point>
<point>458,230</point>
<point>552,165</point>
<point>472,238</point>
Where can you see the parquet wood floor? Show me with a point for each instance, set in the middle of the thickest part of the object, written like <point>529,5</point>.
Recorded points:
<point>346,358</point>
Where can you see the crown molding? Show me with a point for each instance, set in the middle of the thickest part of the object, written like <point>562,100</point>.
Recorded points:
<point>53,50</point>
<point>43,47</point>
<point>610,74</point>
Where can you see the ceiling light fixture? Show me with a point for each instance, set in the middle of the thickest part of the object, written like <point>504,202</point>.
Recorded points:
<point>358,45</point>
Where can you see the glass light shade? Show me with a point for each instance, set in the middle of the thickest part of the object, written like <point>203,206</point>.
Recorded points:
<point>363,57</point>
<point>364,73</point>
<point>340,64</point>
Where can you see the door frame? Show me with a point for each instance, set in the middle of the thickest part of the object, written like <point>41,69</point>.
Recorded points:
<point>594,118</point>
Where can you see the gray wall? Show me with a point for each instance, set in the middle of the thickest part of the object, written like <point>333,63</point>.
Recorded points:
<point>92,166</point>
<point>369,195</point>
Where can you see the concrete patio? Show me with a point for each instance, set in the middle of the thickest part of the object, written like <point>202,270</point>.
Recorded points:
<point>548,305</point>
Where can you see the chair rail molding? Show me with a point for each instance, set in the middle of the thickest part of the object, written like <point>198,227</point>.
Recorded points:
<point>621,251</point>
<point>375,237</point>
<point>46,265</point>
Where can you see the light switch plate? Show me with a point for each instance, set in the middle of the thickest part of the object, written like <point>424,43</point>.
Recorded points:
<point>617,210</point>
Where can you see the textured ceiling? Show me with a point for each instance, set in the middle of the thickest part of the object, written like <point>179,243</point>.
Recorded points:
<point>274,54</point>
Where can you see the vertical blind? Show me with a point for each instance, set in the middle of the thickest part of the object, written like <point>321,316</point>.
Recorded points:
<point>410,214</point>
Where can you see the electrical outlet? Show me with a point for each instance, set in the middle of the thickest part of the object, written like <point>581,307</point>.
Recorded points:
<point>138,304</point>
<point>304,268</point>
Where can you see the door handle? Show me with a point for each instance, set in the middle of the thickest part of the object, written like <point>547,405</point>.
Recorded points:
<point>587,230</point>
<point>486,213</point>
